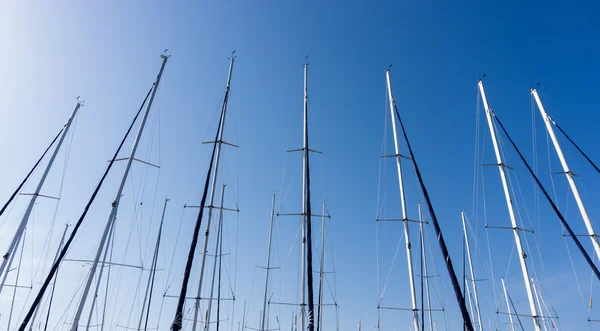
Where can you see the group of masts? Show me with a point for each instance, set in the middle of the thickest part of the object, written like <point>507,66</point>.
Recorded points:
<point>309,317</point>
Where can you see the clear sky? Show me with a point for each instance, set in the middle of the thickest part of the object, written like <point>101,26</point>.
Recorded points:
<point>107,53</point>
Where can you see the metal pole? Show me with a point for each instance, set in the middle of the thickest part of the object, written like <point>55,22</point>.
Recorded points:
<point>219,143</point>
<point>304,202</point>
<point>411,276</point>
<point>60,246</point>
<point>474,283</point>
<point>321,270</point>
<point>212,287</point>
<point>115,204</point>
<point>511,212</point>
<point>153,266</point>
<point>568,173</point>
<point>430,314</point>
<point>263,323</point>
<point>6,260</point>
<point>512,325</point>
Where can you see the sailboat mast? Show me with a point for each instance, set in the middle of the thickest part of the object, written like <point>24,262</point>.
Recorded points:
<point>568,173</point>
<point>60,246</point>
<point>472,271</point>
<point>511,211</point>
<point>14,244</point>
<point>217,243</point>
<point>115,204</point>
<point>321,270</point>
<point>425,272</point>
<point>152,269</point>
<point>219,143</point>
<point>264,314</point>
<point>411,277</point>
<point>512,325</point>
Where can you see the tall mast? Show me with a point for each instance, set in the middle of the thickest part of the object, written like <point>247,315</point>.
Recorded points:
<point>411,276</point>
<point>472,271</point>
<point>219,143</point>
<point>567,171</point>
<point>218,241</point>
<point>152,269</point>
<point>14,244</point>
<point>264,314</point>
<point>512,325</point>
<point>321,270</point>
<point>425,272</point>
<point>511,212</point>
<point>307,273</point>
<point>115,204</point>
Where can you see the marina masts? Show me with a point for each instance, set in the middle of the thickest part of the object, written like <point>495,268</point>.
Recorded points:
<point>115,205</point>
<point>7,258</point>
<point>515,227</point>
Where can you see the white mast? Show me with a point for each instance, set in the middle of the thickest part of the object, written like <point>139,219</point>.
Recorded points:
<point>403,203</point>
<point>115,205</point>
<point>426,273</point>
<point>512,325</point>
<point>511,212</point>
<point>567,171</point>
<point>217,243</point>
<point>322,269</point>
<point>14,244</point>
<point>62,240</point>
<point>264,314</point>
<point>304,202</point>
<point>210,207</point>
<point>473,281</point>
<point>537,298</point>
<point>153,264</point>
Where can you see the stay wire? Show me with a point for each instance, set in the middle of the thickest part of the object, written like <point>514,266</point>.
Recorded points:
<point>64,250</point>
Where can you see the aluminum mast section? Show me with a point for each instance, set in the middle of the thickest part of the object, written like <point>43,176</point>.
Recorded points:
<point>567,171</point>
<point>472,271</point>
<point>425,272</point>
<point>217,257</point>
<point>7,258</point>
<point>411,276</point>
<point>321,270</point>
<point>152,268</point>
<point>115,205</point>
<point>210,207</point>
<point>264,314</point>
<point>511,212</point>
<point>512,325</point>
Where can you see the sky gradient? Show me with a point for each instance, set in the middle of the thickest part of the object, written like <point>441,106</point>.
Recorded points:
<point>107,53</point>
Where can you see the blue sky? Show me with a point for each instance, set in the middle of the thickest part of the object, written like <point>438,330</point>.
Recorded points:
<point>107,53</point>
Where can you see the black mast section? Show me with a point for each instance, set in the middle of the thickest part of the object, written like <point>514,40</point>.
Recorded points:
<point>309,268</point>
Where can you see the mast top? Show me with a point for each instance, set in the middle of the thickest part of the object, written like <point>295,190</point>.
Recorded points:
<point>389,68</point>
<point>306,62</point>
<point>79,102</point>
<point>164,55</point>
<point>232,55</point>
